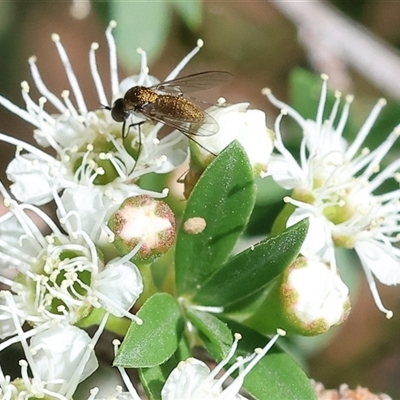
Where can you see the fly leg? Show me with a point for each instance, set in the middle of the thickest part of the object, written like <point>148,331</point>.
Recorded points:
<point>137,125</point>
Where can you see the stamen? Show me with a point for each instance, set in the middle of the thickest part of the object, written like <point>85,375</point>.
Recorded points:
<point>70,107</point>
<point>210,309</point>
<point>113,58</point>
<point>14,314</point>
<point>42,87</point>
<point>33,150</point>
<point>17,111</point>
<point>73,383</point>
<point>322,102</point>
<point>124,375</point>
<point>221,365</point>
<point>73,81</point>
<point>175,72</point>
<point>338,132</point>
<point>144,70</point>
<point>283,106</point>
<point>365,129</point>
<point>96,76</point>
<point>375,294</point>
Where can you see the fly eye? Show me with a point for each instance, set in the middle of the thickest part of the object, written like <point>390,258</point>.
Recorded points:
<point>118,111</point>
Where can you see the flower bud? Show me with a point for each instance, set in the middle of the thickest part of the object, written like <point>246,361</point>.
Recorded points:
<point>143,219</point>
<point>307,299</point>
<point>235,121</point>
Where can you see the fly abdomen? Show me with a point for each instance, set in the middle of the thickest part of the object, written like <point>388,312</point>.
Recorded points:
<point>179,108</point>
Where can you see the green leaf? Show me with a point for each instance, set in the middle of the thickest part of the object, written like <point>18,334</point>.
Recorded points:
<point>251,270</point>
<point>153,379</point>
<point>224,197</point>
<point>140,24</point>
<point>214,333</point>
<point>277,376</point>
<point>190,12</point>
<point>157,339</point>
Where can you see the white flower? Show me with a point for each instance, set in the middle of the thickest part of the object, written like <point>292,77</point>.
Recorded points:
<point>334,184</point>
<point>89,147</point>
<point>58,358</point>
<point>61,276</point>
<point>192,379</point>
<point>237,122</point>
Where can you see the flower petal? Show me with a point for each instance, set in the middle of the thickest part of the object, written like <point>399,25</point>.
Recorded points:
<point>120,285</point>
<point>383,265</point>
<point>283,172</point>
<point>59,351</point>
<point>318,241</point>
<point>185,379</point>
<point>32,183</point>
<point>91,206</point>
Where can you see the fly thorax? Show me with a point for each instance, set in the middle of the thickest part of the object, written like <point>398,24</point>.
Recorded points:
<point>138,96</point>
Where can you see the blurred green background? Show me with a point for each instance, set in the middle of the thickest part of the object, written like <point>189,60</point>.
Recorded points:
<point>260,46</point>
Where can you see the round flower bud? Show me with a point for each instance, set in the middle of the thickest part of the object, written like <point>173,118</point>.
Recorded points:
<point>142,219</point>
<point>307,299</point>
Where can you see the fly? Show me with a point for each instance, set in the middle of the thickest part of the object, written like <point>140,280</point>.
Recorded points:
<point>165,103</point>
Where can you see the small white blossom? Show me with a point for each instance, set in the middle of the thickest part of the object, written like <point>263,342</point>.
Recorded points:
<point>61,276</point>
<point>192,379</point>
<point>335,183</point>
<point>90,150</point>
<point>238,122</point>
<point>58,358</point>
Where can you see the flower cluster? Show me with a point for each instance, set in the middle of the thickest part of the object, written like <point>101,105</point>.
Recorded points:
<point>94,259</point>
<point>85,264</point>
<point>336,184</point>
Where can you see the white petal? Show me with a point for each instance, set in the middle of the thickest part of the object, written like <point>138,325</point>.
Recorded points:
<point>58,353</point>
<point>284,173</point>
<point>318,241</point>
<point>247,126</point>
<point>385,267</point>
<point>92,207</point>
<point>10,232</point>
<point>175,155</point>
<point>120,286</point>
<point>185,380</point>
<point>32,183</point>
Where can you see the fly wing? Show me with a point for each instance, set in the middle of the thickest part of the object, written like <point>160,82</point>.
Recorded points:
<point>207,127</point>
<point>194,83</point>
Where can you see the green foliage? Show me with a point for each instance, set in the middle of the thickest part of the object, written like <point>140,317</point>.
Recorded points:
<point>215,334</point>
<point>224,197</point>
<point>250,271</point>
<point>157,339</point>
